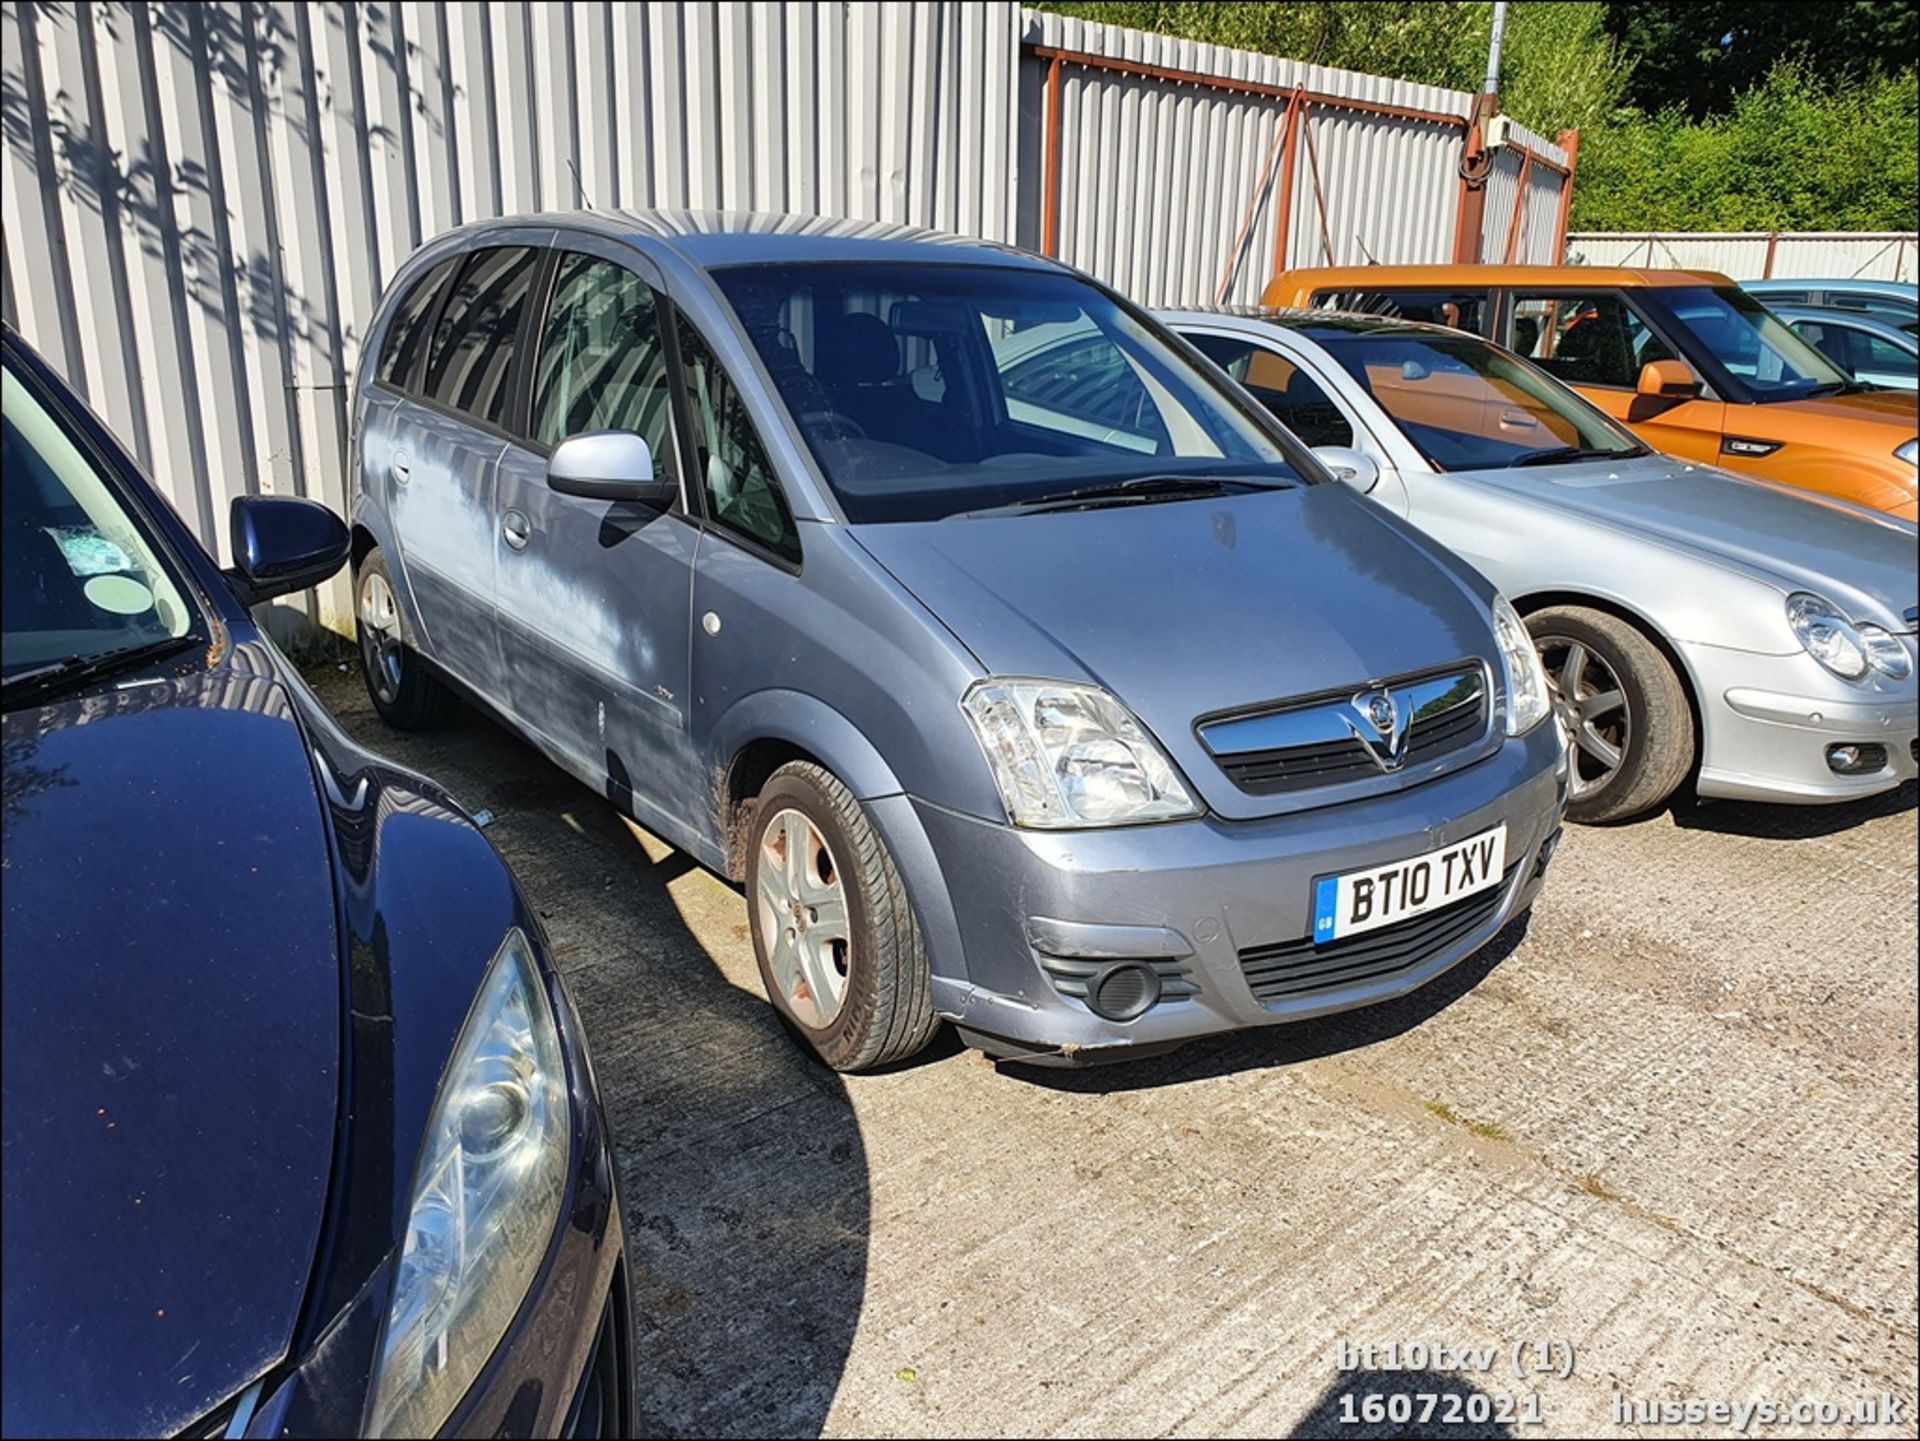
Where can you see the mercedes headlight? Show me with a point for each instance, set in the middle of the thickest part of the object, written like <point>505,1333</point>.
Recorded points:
<point>487,1193</point>
<point>1071,755</point>
<point>1528,702</point>
<point>1846,649</point>
<point>1909,451</point>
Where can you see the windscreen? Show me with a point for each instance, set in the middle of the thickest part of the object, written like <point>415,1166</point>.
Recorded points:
<point>1753,345</point>
<point>926,391</point>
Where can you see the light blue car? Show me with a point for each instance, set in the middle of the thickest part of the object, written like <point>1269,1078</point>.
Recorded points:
<point>1872,351</point>
<point>1895,301</point>
<point>1026,672</point>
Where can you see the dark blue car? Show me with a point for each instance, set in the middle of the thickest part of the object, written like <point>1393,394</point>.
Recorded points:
<point>300,1135</point>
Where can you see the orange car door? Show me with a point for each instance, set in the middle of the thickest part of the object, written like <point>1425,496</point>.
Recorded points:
<point>1597,343</point>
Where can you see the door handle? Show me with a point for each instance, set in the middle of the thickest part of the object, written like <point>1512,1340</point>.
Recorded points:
<point>401,465</point>
<point>515,529</point>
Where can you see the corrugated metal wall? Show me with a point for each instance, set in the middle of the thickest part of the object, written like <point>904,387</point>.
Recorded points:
<point>202,203</point>
<point>1537,238</point>
<point>1814,255</point>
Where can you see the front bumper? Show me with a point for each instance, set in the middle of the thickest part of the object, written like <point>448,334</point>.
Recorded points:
<point>1767,722</point>
<point>1197,894</point>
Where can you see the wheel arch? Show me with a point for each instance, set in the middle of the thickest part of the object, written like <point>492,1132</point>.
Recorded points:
<point>1534,601</point>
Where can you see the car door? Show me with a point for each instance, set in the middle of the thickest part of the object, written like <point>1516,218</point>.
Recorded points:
<point>1597,341</point>
<point>445,438</point>
<point>593,595</point>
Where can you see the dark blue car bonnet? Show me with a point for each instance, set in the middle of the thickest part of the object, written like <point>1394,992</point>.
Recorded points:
<point>172,1049</point>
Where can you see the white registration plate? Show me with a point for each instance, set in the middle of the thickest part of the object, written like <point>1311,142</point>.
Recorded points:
<point>1380,895</point>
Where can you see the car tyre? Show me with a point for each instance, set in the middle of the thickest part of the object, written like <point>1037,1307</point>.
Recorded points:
<point>834,935</point>
<point>405,693</point>
<point>1630,729</point>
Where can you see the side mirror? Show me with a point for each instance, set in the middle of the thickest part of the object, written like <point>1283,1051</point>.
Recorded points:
<point>282,544</point>
<point>612,465</point>
<point>1668,380</point>
<point>1358,470</point>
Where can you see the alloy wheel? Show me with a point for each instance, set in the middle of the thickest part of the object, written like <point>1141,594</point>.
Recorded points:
<point>1591,708</point>
<point>379,624</point>
<point>800,906</point>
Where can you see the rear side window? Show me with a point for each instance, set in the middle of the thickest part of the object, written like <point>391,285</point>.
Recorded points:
<point>1456,309</point>
<point>1294,397</point>
<point>470,367</point>
<point>407,332</point>
<point>601,362</point>
<point>735,475</point>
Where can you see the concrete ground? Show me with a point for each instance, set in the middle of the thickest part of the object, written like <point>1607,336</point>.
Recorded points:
<point>1669,1121</point>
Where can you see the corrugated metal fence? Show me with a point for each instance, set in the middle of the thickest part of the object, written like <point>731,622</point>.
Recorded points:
<point>203,202</point>
<point>1758,254</point>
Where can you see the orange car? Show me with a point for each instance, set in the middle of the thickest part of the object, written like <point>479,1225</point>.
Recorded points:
<point>1685,357</point>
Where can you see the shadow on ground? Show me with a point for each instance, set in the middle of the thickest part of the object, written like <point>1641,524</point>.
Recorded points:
<point>1789,823</point>
<point>743,1177</point>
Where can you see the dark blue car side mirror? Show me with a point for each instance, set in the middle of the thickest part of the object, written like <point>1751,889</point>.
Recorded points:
<point>282,544</point>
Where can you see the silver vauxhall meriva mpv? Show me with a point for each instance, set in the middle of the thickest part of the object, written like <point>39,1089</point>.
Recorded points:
<point>1053,691</point>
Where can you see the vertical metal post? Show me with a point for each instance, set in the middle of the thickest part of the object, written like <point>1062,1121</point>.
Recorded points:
<point>1050,197</point>
<point>1283,222</point>
<point>1569,142</point>
<point>1773,246</point>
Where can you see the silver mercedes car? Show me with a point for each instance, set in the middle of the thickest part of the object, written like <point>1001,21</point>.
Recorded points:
<point>1694,624</point>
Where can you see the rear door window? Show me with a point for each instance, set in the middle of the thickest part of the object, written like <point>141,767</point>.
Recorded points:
<point>405,343</point>
<point>470,367</point>
<point>1295,398</point>
<point>1456,309</point>
<point>1584,338</point>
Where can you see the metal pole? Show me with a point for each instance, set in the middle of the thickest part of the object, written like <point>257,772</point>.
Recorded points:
<point>1492,87</point>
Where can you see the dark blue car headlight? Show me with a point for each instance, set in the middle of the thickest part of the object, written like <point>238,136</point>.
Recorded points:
<point>486,1200</point>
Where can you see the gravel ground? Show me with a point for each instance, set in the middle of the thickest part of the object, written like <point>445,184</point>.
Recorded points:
<point>1668,1121</point>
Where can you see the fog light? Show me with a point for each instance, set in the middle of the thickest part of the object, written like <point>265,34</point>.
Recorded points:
<point>1124,991</point>
<point>1854,760</point>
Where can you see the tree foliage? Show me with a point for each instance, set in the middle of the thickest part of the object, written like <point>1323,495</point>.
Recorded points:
<point>1699,116</point>
<point>1793,153</point>
<point>1701,56</point>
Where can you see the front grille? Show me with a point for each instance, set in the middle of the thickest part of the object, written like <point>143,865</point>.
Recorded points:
<point>1300,968</point>
<point>1314,743</point>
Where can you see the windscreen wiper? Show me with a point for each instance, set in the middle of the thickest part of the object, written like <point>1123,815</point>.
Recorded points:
<point>1141,488</point>
<point>1562,454</point>
<point>74,670</point>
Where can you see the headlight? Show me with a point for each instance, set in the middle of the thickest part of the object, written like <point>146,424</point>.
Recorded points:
<point>1884,653</point>
<point>1909,452</point>
<point>1528,702</point>
<point>1833,640</point>
<point>1071,755</point>
<point>486,1200</point>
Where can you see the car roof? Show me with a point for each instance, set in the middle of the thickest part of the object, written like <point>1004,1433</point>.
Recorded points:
<point>713,238</point>
<point>1905,289</point>
<point>1314,323</point>
<point>1425,277</point>
<point>1830,315</point>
